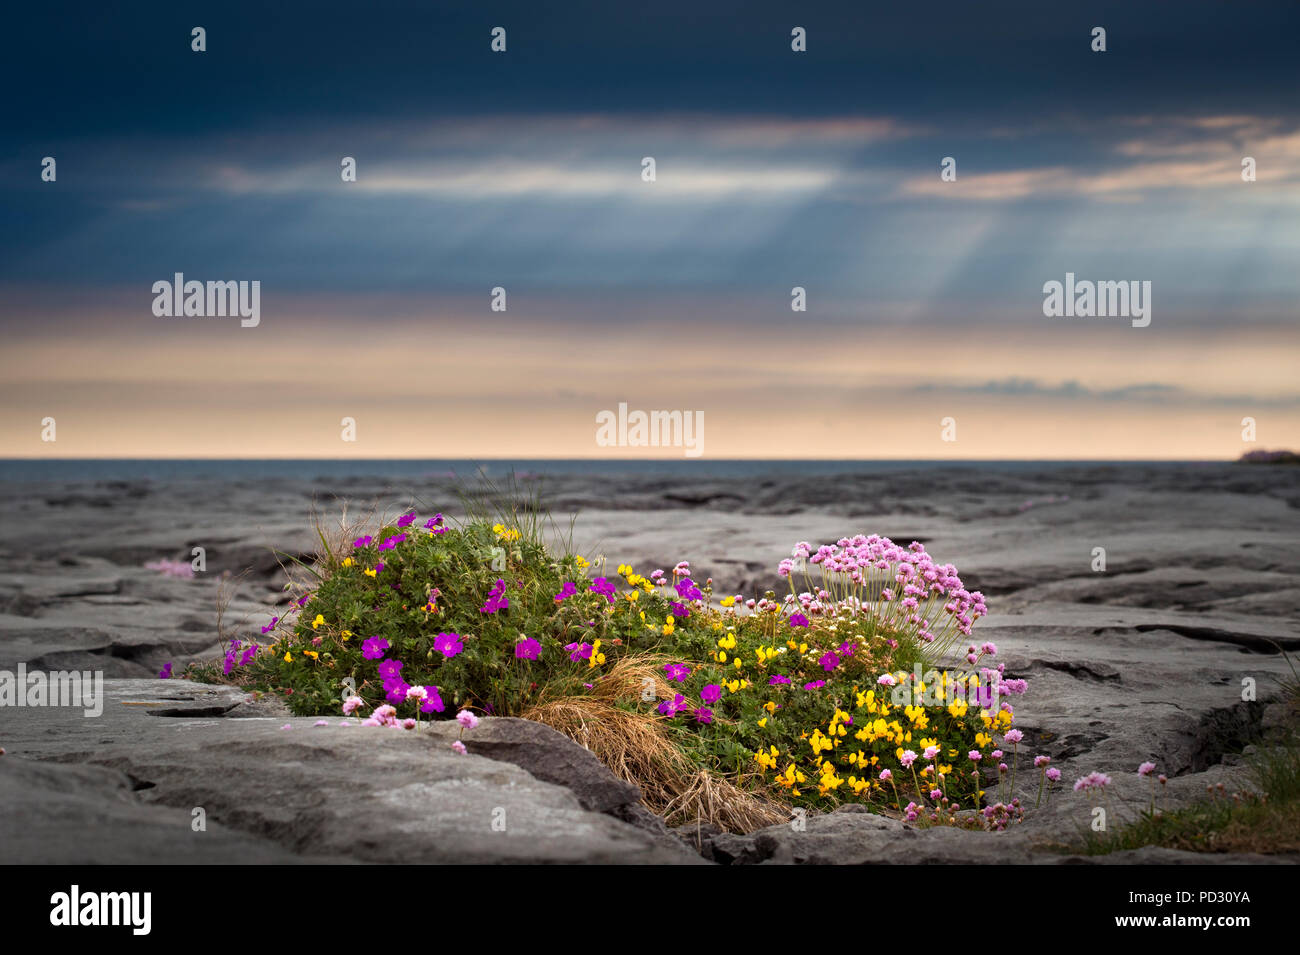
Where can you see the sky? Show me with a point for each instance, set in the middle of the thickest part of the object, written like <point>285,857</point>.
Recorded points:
<point>924,334</point>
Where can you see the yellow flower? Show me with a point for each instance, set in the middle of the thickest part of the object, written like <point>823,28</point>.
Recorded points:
<point>311,653</point>
<point>288,657</point>
<point>762,724</point>
<point>345,634</point>
<point>370,572</point>
<point>317,622</point>
<point>348,562</point>
<point>728,601</point>
<point>582,563</point>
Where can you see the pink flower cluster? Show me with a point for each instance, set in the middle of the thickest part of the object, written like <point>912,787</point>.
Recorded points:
<point>903,586</point>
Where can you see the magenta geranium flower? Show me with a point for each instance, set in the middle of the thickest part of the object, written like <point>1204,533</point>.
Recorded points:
<point>448,644</point>
<point>602,586</point>
<point>711,693</point>
<point>166,672</point>
<point>567,591</point>
<point>778,680</point>
<point>271,626</point>
<point>578,651</point>
<point>391,542</point>
<point>433,701</point>
<point>798,620</point>
<point>495,601</point>
<point>704,715</point>
<point>528,649</point>
<point>406,519</point>
<point>829,661</point>
<point>670,707</point>
<point>373,649</point>
<point>677,671</point>
<point>390,669</point>
<point>814,685</point>
<point>363,541</point>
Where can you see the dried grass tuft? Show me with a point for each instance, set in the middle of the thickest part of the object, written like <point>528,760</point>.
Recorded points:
<point>637,748</point>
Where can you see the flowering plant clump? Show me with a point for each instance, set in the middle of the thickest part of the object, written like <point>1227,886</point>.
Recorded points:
<point>814,699</point>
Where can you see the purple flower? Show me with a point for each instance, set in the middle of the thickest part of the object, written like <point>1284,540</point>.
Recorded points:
<point>704,715</point>
<point>249,652</point>
<point>670,707</point>
<point>166,672</point>
<point>397,690</point>
<point>435,522</point>
<point>229,664</point>
<point>433,703</point>
<point>373,649</point>
<point>363,541</point>
<point>778,680</point>
<point>567,591</point>
<point>711,693</point>
<point>494,600</point>
<point>687,590</point>
<point>390,669</point>
<point>680,610</point>
<point>815,685</point>
<point>602,586</point>
<point>406,519</point>
<point>271,626</point>
<point>829,661</point>
<point>798,620</point>
<point>528,649</point>
<point>391,542</point>
<point>578,651</point>
<point>677,671</point>
<point>448,644</point>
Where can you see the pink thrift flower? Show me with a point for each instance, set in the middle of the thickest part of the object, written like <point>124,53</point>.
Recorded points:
<point>408,724</point>
<point>1053,774</point>
<point>459,747</point>
<point>1146,769</point>
<point>321,723</point>
<point>467,719</point>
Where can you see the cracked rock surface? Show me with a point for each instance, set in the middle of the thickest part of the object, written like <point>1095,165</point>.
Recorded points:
<point>1146,659</point>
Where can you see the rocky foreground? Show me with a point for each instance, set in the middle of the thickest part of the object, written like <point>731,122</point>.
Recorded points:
<point>1142,660</point>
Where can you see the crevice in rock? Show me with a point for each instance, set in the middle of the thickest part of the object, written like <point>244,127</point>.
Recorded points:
<point>1251,643</point>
